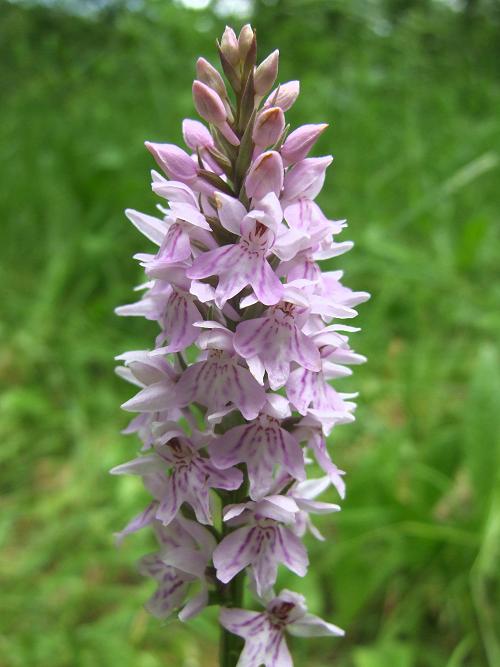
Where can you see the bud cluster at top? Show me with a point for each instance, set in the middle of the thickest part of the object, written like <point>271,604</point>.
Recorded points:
<point>235,398</point>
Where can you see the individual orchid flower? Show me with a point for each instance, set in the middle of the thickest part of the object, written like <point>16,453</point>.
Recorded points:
<point>157,379</point>
<point>270,344</point>
<point>185,551</point>
<point>172,585</point>
<point>186,224</point>
<point>310,393</point>
<point>174,161</point>
<point>264,632</point>
<point>240,265</point>
<point>217,381</point>
<point>237,392</point>
<point>199,140</point>
<point>268,128</point>
<point>261,445</point>
<point>304,493</point>
<point>190,480</point>
<point>173,191</point>
<point>244,263</point>
<point>263,542</point>
<point>180,308</point>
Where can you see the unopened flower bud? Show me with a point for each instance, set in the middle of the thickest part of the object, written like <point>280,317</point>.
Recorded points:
<point>207,73</point>
<point>266,73</point>
<point>198,138</point>
<point>284,96</point>
<point>268,127</point>
<point>300,141</point>
<point>265,175</point>
<point>175,162</point>
<point>196,135</point>
<point>210,107</point>
<point>208,104</point>
<point>229,46</point>
<point>245,40</point>
<point>306,178</point>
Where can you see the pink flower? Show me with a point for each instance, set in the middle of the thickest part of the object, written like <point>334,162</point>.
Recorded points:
<point>261,445</point>
<point>191,477</point>
<point>262,543</point>
<point>245,40</point>
<point>141,370</point>
<point>208,74</point>
<point>173,191</point>
<point>229,46</point>
<point>217,382</point>
<point>185,551</point>
<point>264,632</point>
<point>272,343</point>
<point>178,326</point>
<point>310,393</point>
<point>239,265</point>
<point>157,378</point>
<point>196,135</point>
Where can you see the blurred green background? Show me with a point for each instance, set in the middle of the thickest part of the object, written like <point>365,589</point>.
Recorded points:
<point>412,92</point>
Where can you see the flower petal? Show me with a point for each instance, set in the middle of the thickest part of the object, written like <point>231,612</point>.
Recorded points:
<point>138,522</point>
<point>213,262</point>
<point>235,552</point>
<point>266,284</point>
<point>313,626</point>
<point>291,551</point>
<point>242,622</point>
<point>231,212</point>
<point>187,560</point>
<point>152,228</point>
<point>157,396</point>
<point>171,502</point>
<point>139,466</point>
<point>277,651</point>
<point>180,316</point>
<point>195,605</point>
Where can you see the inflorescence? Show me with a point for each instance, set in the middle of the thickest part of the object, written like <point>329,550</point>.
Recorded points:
<point>234,399</point>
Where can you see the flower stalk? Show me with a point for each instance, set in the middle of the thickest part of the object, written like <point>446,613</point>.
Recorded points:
<point>235,397</point>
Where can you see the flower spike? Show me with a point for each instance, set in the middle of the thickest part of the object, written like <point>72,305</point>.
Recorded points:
<point>234,397</point>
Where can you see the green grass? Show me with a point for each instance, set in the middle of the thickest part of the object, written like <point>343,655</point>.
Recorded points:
<point>410,567</point>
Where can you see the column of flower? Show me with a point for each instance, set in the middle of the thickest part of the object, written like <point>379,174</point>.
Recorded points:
<point>227,431</point>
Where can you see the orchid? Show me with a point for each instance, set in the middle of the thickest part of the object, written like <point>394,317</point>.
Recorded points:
<point>263,542</point>
<point>234,397</point>
<point>185,551</point>
<point>264,632</point>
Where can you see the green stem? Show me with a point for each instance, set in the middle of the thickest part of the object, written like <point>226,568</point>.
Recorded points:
<point>232,593</point>
<point>232,645</point>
